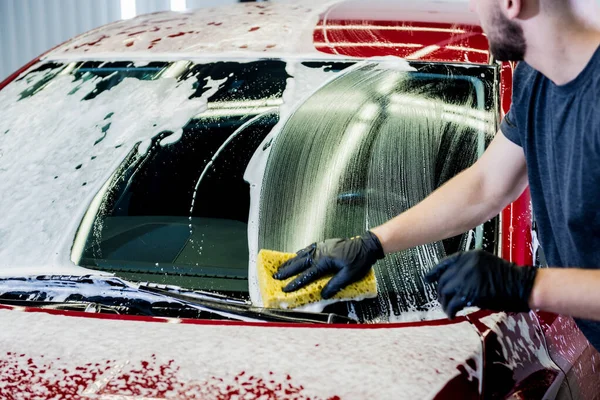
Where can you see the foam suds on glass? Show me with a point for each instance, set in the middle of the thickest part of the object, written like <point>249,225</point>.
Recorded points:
<point>364,148</point>
<point>304,82</point>
<point>145,108</point>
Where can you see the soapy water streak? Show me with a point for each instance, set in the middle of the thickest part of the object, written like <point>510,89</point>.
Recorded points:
<point>210,165</point>
<point>348,160</point>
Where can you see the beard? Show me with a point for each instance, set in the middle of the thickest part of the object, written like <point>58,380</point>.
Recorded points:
<point>507,41</point>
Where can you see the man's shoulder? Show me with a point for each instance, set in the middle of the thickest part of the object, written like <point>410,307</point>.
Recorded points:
<point>525,81</point>
<point>524,69</point>
<point>529,88</point>
<point>525,76</point>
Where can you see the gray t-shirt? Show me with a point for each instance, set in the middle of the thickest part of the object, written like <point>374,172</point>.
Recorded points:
<point>558,128</point>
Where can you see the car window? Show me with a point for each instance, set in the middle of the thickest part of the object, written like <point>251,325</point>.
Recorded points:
<point>365,148</point>
<point>176,210</point>
<point>342,146</point>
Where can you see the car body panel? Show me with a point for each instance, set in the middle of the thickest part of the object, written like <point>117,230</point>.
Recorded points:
<point>112,356</point>
<point>426,31</point>
<point>571,351</point>
<point>236,30</point>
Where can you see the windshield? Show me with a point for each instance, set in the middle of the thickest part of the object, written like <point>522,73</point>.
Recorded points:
<point>270,154</point>
<point>176,210</point>
<point>365,148</point>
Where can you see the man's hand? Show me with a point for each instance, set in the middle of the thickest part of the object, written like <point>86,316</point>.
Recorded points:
<point>350,260</point>
<point>477,278</point>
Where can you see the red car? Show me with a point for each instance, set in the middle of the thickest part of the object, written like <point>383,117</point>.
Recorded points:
<point>144,164</point>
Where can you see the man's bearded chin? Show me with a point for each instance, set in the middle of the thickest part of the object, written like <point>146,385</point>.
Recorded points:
<point>508,41</point>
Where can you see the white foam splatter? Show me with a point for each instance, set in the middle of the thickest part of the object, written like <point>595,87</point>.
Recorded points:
<point>49,178</point>
<point>268,27</point>
<point>318,306</point>
<point>434,313</point>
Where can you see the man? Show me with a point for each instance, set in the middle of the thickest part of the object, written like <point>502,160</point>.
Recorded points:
<point>550,140</point>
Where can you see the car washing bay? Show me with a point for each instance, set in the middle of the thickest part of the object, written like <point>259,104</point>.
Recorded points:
<point>198,200</point>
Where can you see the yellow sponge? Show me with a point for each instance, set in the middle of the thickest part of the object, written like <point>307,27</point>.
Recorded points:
<point>271,289</point>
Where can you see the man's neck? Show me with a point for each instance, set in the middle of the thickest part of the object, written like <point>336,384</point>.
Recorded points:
<point>562,55</point>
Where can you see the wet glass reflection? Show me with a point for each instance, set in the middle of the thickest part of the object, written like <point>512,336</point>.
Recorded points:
<point>363,149</point>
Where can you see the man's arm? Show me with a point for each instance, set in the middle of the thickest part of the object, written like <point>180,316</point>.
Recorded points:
<point>469,199</point>
<point>567,291</point>
<point>478,278</point>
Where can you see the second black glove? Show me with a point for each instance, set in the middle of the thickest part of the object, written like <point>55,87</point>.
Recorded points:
<point>477,278</point>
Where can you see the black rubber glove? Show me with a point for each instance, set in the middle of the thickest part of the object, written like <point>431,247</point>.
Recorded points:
<point>478,278</point>
<point>350,260</point>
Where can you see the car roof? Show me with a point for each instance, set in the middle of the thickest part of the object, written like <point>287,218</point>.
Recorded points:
<point>426,30</point>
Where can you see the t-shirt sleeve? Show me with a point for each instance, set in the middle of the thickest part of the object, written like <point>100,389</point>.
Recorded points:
<point>509,127</point>
<point>514,123</point>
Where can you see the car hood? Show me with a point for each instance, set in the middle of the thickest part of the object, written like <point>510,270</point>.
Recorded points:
<point>61,353</point>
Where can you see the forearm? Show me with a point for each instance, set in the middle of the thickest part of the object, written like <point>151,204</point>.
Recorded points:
<point>454,208</point>
<point>567,291</point>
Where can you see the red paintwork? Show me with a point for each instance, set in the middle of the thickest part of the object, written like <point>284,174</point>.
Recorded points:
<point>516,231</point>
<point>460,386</point>
<point>530,380</point>
<point>366,37</point>
<point>415,30</point>
<point>517,217</point>
<point>441,42</point>
<point>570,350</point>
<point>506,78</point>
<point>18,72</point>
<point>82,314</point>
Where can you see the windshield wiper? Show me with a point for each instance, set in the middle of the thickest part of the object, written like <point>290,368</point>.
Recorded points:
<point>200,295</point>
<point>110,294</point>
<point>243,307</point>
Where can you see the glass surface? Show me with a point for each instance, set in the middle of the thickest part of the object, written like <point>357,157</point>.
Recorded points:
<point>365,146</point>
<point>363,149</point>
